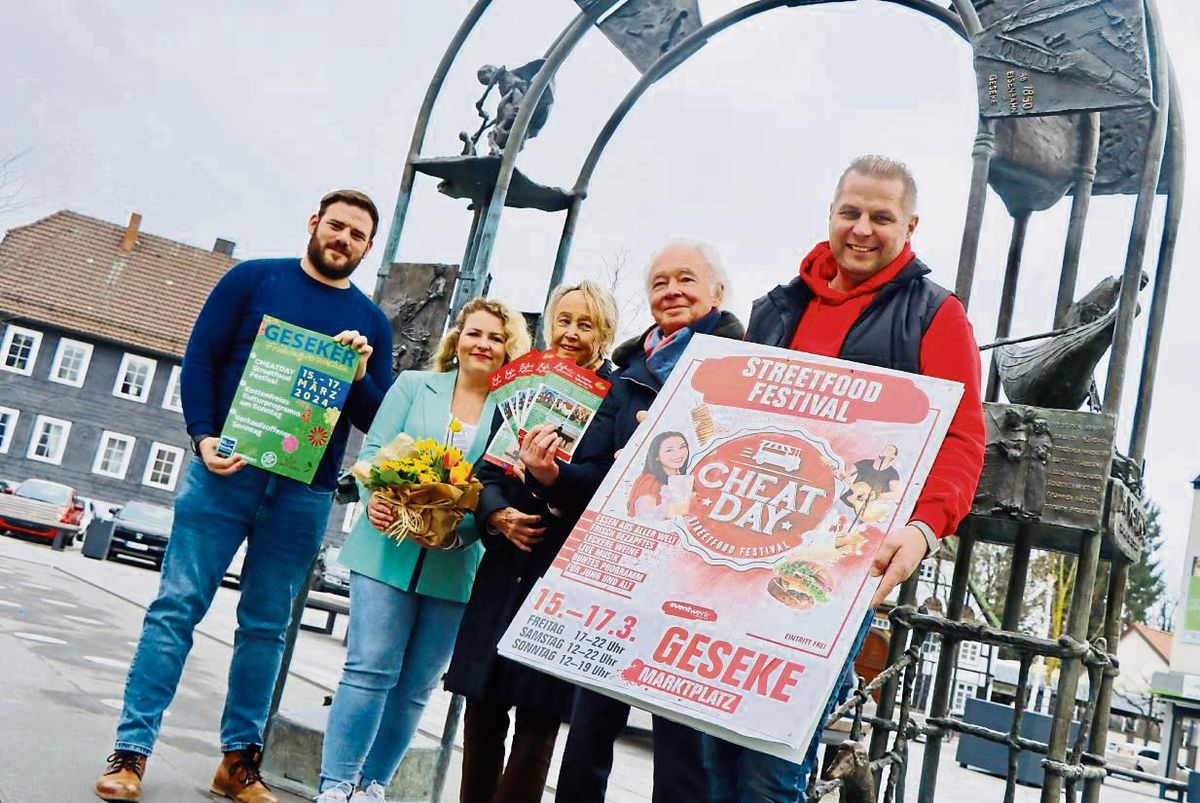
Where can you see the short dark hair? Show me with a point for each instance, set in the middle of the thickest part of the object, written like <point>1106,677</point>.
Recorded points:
<point>353,198</point>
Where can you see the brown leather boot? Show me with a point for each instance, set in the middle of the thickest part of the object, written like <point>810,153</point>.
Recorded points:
<point>122,781</point>
<point>237,778</point>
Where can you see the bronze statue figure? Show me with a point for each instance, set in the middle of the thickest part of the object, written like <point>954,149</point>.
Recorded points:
<point>1041,442</point>
<point>1056,372</point>
<point>852,765</point>
<point>512,85</point>
<point>1012,443</point>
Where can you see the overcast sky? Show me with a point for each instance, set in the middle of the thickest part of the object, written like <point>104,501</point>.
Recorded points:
<point>232,121</point>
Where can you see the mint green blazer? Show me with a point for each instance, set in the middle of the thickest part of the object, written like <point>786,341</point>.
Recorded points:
<point>418,403</point>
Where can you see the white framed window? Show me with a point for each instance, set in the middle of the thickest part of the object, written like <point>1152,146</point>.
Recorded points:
<point>49,439</point>
<point>113,454</point>
<point>352,511</point>
<point>961,694</point>
<point>71,362</point>
<point>8,425</point>
<point>162,466</point>
<point>928,570</point>
<point>172,399</point>
<point>18,351</point>
<point>970,651</point>
<point>134,378</point>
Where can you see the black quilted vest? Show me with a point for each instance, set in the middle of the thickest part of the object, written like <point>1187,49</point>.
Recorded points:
<point>887,333</point>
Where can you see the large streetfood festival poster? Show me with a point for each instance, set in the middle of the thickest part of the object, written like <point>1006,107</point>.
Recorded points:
<point>720,574</point>
<point>288,400</point>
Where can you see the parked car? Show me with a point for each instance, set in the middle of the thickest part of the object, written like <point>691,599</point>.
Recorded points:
<point>335,577</point>
<point>42,509</point>
<point>1148,758</point>
<point>1122,756</point>
<point>93,509</point>
<point>8,486</point>
<point>1133,756</point>
<point>141,530</point>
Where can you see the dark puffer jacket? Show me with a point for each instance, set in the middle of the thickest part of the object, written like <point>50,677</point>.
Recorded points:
<point>503,581</point>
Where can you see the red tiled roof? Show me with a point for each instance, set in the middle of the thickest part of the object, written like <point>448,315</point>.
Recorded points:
<point>68,270</point>
<point>1159,640</point>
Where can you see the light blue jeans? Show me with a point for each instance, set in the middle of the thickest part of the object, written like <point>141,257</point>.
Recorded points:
<point>400,643</point>
<point>740,775</point>
<point>283,522</point>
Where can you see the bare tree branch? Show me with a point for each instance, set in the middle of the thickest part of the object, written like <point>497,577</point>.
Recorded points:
<point>623,280</point>
<point>12,184</point>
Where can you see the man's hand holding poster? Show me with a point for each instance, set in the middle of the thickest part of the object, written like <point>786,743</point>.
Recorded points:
<point>288,400</point>
<point>720,574</point>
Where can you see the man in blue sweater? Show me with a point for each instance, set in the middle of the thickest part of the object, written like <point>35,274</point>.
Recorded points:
<point>221,503</point>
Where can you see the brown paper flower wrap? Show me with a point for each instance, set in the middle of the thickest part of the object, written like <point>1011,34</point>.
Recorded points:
<point>427,486</point>
<point>431,511</point>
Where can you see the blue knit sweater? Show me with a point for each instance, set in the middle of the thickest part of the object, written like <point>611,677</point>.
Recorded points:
<point>225,329</point>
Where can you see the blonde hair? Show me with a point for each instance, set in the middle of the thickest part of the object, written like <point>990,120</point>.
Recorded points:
<point>516,332</point>
<point>603,309</point>
<point>882,167</point>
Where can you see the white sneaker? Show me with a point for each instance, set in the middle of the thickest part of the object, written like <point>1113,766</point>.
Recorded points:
<point>336,794</point>
<point>372,794</point>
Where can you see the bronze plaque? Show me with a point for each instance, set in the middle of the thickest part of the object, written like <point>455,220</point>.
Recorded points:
<point>643,30</point>
<point>1045,467</point>
<point>1053,56</point>
<point>1126,521</point>
<point>415,296</point>
<point>1124,134</point>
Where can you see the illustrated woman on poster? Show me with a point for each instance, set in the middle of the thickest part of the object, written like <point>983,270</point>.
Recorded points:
<point>663,487</point>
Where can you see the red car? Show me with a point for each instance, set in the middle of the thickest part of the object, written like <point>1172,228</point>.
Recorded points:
<point>42,509</point>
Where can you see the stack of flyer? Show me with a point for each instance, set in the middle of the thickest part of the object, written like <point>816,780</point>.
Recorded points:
<point>540,388</point>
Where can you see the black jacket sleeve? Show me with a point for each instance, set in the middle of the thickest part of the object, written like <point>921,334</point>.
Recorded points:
<point>500,490</point>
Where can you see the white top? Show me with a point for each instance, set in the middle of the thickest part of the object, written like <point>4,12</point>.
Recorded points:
<point>462,440</point>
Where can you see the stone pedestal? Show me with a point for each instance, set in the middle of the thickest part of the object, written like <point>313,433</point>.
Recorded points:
<point>292,758</point>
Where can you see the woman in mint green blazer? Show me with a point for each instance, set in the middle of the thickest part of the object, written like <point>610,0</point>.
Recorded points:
<point>406,601</point>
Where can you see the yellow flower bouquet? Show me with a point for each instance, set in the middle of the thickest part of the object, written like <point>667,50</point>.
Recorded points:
<point>427,486</point>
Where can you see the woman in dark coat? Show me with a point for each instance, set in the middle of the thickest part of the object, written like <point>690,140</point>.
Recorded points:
<point>521,536</point>
<point>686,285</point>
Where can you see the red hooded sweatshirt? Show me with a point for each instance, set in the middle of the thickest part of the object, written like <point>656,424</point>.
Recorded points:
<point>948,351</point>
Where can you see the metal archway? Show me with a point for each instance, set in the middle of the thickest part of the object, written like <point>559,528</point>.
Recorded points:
<point>1065,764</point>
<point>672,59</point>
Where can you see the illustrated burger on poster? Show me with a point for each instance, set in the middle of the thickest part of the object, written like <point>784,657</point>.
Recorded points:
<point>736,531</point>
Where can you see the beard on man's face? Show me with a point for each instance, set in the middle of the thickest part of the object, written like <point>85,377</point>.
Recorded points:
<point>316,255</point>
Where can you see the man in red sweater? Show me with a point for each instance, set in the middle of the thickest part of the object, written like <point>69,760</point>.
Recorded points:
<point>864,296</point>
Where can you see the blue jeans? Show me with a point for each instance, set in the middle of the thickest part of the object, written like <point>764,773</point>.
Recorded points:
<point>283,522</point>
<point>400,644</point>
<point>740,775</point>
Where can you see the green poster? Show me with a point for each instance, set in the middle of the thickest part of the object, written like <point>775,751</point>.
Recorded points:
<point>288,400</point>
<point>1191,613</point>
